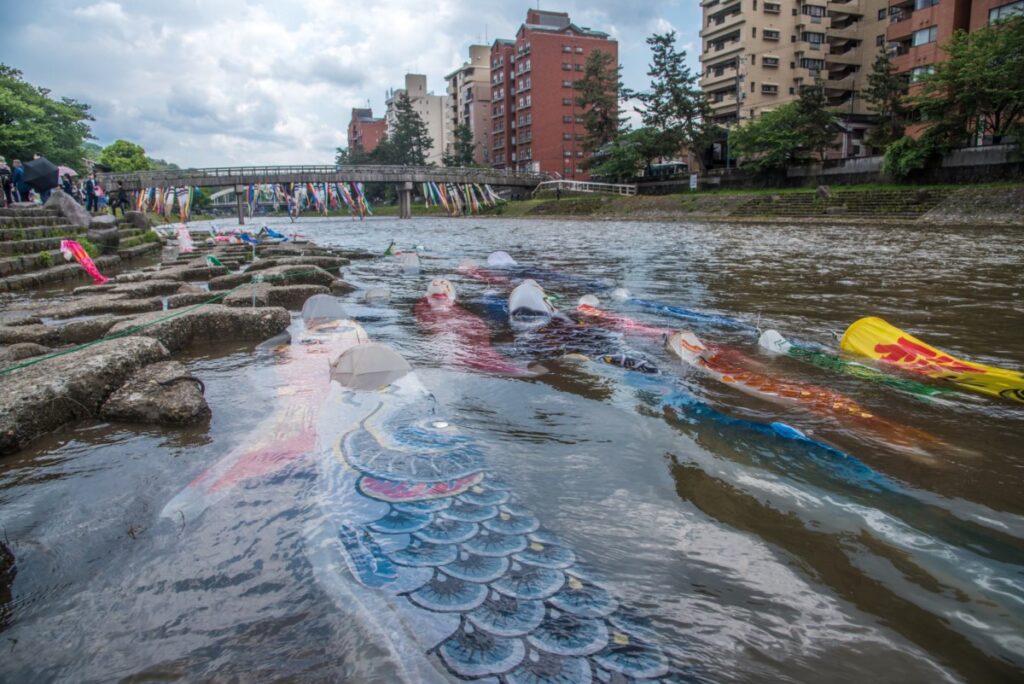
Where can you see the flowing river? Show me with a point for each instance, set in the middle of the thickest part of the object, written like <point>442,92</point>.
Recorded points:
<point>748,560</point>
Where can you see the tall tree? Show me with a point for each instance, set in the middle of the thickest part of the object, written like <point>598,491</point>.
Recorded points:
<point>597,94</point>
<point>31,121</point>
<point>411,139</point>
<point>979,89</point>
<point>884,95</point>
<point>627,155</point>
<point>675,105</point>
<point>122,156</point>
<point>463,148</point>
<point>817,125</point>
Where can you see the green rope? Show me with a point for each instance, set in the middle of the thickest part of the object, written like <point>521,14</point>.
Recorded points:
<point>256,278</point>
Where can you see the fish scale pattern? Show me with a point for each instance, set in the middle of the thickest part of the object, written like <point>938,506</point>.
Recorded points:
<point>510,600</point>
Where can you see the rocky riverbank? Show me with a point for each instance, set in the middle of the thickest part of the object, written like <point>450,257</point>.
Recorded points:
<point>106,351</point>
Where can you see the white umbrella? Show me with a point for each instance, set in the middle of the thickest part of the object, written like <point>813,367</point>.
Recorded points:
<point>369,366</point>
<point>62,170</point>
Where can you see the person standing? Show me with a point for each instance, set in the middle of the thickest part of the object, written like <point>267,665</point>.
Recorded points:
<point>65,184</point>
<point>18,178</point>
<point>91,203</point>
<point>5,182</point>
<point>120,199</point>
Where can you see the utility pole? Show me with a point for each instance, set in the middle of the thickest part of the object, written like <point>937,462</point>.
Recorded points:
<point>739,111</point>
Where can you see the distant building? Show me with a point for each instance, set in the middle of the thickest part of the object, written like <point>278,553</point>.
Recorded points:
<point>469,102</point>
<point>430,107</point>
<point>535,123</point>
<point>364,131</point>
<point>757,55</point>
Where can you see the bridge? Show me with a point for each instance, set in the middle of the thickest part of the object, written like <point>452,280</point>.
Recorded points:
<point>405,177</point>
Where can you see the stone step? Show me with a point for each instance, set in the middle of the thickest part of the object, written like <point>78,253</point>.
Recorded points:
<point>27,211</point>
<point>36,232</point>
<point>30,221</point>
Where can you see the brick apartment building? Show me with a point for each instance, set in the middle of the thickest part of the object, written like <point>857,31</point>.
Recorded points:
<point>469,102</point>
<point>756,55</point>
<point>364,131</point>
<point>536,124</point>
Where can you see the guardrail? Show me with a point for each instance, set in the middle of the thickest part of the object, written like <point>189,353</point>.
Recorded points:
<point>586,186</point>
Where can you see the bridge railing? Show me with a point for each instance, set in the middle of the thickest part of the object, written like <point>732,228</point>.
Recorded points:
<point>586,186</point>
<point>300,173</point>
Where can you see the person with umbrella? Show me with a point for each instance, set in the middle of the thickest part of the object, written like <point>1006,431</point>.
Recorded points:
<point>41,175</point>
<point>65,185</point>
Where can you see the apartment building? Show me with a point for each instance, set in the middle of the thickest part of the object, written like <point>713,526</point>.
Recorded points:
<point>469,102</point>
<point>364,131</point>
<point>756,55</point>
<point>535,122</point>
<point>919,28</point>
<point>430,107</point>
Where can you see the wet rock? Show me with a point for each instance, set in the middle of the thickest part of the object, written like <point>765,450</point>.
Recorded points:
<point>189,272</point>
<point>214,322</point>
<point>133,277</point>
<point>340,287</point>
<point>93,289</point>
<point>180,301</point>
<point>147,288</point>
<point>101,304</point>
<point>19,318</point>
<point>291,297</point>
<point>137,220</point>
<point>75,332</point>
<point>328,263</point>
<point>20,351</point>
<point>226,282</point>
<point>297,274</point>
<point>162,393</point>
<point>104,234</point>
<point>189,288</point>
<point>823,192</point>
<point>42,397</point>
<point>73,212</point>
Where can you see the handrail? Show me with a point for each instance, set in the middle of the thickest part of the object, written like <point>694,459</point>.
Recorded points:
<point>587,186</point>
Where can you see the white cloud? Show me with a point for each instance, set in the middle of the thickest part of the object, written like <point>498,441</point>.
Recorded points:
<point>271,81</point>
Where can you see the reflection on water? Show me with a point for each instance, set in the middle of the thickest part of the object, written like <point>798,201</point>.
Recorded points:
<point>754,558</point>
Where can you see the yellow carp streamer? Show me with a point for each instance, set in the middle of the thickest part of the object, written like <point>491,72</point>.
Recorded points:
<point>876,339</point>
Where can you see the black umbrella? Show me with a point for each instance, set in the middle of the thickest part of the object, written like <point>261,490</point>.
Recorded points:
<point>41,174</point>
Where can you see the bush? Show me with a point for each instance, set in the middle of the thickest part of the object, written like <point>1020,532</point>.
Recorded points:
<point>90,249</point>
<point>44,259</point>
<point>907,154</point>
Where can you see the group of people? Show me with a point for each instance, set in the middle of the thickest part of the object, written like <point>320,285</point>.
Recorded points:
<point>87,192</point>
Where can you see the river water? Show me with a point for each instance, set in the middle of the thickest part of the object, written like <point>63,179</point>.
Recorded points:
<point>749,560</point>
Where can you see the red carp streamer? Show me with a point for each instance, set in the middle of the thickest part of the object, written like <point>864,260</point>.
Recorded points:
<point>71,249</point>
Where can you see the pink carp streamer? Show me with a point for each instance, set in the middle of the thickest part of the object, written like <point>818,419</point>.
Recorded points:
<point>71,249</point>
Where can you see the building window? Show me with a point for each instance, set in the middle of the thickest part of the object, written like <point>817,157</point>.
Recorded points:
<point>567,153</point>
<point>918,73</point>
<point>812,37</point>
<point>771,35</point>
<point>567,136</point>
<point>567,100</point>
<point>925,36</point>
<point>579,67</point>
<point>566,119</point>
<point>1006,11</point>
<point>567,84</point>
<point>772,62</point>
<point>880,40</point>
<point>567,48</point>
<point>753,59</point>
<point>882,12</point>
<point>579,51</point>
<point>769,89</point>
<point>813,11</point>
<point>566,66</point>
<point>812,64</point>
<point>753,32</point>
<point>772,7</point>
<point>924,4</point>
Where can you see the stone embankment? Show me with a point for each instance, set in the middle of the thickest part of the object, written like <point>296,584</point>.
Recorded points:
<point>924,205</point>
<point>104,352</point>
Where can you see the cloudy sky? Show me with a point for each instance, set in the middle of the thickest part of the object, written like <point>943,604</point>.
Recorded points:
<point>230,82</point>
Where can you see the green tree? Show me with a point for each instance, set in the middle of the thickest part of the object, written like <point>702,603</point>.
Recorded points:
<point>624,157</point>
<point>979,89</point>
<point>33,122</point>
<point>411,140</point>
<point>122,156</point>
<point>818,125</point>
<point>598,97</point>
<point>884,96</point>
<point>351,156</point>
<point>675,106</point>
<point>462,149</point>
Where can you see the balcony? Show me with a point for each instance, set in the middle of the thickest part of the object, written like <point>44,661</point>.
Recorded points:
<point>843,84</point>
<point>725,102</point>
<point>845,57</point>
<point>719,77</point>
<point>715,28</point>
<point>849,32</point>
<point>900,29</point>
<point>723,48</point>
<point>815,50</point>
<point>850,7</point>
<point>818,24</point>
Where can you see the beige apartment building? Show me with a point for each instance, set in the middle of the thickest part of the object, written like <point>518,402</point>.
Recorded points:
<point>756,55</point>
<point>469,102</point>
<point>430,107</point>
